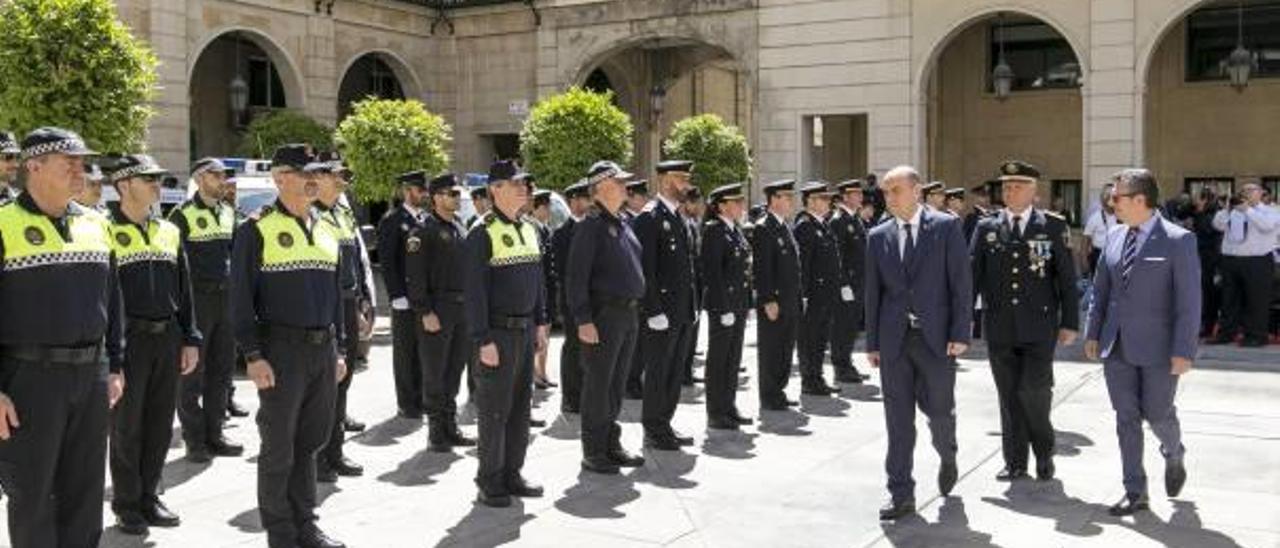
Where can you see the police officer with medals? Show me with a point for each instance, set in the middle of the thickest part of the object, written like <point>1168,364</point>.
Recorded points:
<point>393,231</point>
<point>667,256</point>
<point>507,321</point>
<point>56,382</point>
<point>726,262</point>
<point>603,287</point>
<point>822,285</point>
<point>160,339</point>
<point>206,225</point>
<point>851,239</point>
<point>286,301</point>
<point>9,153</point>
<point>1022,268</point>
<point>776,272</point>
<point>570,368</point>
<point>331,177</point>
<point>435,264</point>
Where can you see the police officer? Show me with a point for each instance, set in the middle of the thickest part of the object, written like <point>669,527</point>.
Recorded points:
<point>579,201</point>
<point>954,198</point>
<point>56,383</point>
<point>331,178</point>
<point>776,271</point>
<point>851,238</point>
<point>541,215</point>
<point>479,199</point>
<point>637,199</point>
<point>286,302</point>
<point>1024,272</point>
<point>393,231</point>
<point>933,195</point>
<point>9,153</point>
<point>161,338</point>
<point>726,259</point>
<point>979,210</point>
<point>435,266</point>
<point>206,224</point>
<point>603,288</point>
<point>693,210</point>
<point>506,320</point>
<point>823,285</point>
<point>90,197</point>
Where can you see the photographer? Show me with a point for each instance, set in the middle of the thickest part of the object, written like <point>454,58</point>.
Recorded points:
<point>1250,229</point>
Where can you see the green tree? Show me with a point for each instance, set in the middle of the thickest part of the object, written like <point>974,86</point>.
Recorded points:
<point>719,150</point>
<point>268,131</point>
<point>566,133</point>
<point>73,64</point>
<point>383,138</point>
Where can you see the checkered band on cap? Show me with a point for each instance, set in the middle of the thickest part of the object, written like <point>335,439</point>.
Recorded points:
<point>606,174</point>
<point>212,165</point>
<point>53,147</point>
<point>146,167</point>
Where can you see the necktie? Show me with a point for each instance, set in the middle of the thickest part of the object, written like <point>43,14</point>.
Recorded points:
<point>1129,255</point>
<point>1017,226</point>
<point>909,249</point>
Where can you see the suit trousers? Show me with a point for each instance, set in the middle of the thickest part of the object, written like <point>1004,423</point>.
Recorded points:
<point>664,375</point>
<point>1023,375</point>
<point>1246,289</point>
<point>724,356</point>
<point>142,421</point>
<point>405,365</point>
<point>294,420</point>
<point>205,392</point>
<point>444,358</point>
<point>1141,393</point>
<point>51,467</point>
<point>503,395</point>
<point>916,378</point>
<point>604,367</point>
<point>776,347</point>
<point>351,354</point>
<point>812,341</point>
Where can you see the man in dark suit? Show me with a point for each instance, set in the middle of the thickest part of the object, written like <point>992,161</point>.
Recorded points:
<point>1024,273</point>
<point>851,234</point>
<point>919,306</point>
<point>393,232</point>
<point>776,272</point>
<point>1144,323</point>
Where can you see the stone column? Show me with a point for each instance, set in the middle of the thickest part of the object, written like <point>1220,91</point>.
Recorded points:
<point>168,135</point>
<point>319,70</point>
<point>1110,95</point>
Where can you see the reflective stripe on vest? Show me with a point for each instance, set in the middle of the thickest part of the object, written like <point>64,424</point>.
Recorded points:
<point>285,247</point>
<point>204,226</point>
<point>512,246</point>
<point>160,245</point>
<point>31,240</point>
<point>343,224</point>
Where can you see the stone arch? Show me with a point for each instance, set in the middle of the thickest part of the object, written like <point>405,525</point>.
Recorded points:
<point>290,72</point>
<point>410,84</point>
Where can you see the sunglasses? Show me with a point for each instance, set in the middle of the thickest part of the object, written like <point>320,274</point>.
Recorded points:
<point>9,157</point>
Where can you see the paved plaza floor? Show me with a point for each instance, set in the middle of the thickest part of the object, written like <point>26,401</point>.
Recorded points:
<point>812,477</point>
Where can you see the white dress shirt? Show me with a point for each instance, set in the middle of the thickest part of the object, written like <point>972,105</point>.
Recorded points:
<point>915,230</point>
<point>1097,228</point>
<point>1249,233</point>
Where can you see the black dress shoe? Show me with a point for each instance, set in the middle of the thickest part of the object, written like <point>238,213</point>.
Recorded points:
<point>774,406</point>
<point>411,414</point>
<point>158,515</point>
<point>316,538</point>
<point>722,423</point>
<point>543,384</point>
<point>947,476</point>
<point>743,421</point>
<point>661,443</point>
<point>1175,476</point>
<point>347,468</point>
<point>132,523</point>
<point>523,488</point>
<point>625,459</point>
<point>1045,470</point>
<point>223,447</point>
<point>198,455</point>
<point>792,403</point>
<point>818,389</point>
<point>456,438</point>
<point>684,441</point>
<point>851,376</point>
<point>235,410</point>
<point>634,394</point>
<point>600,465</point>
<point>897,509</point>
<point>493,499</point>
<point>1129,505</point>
<point>536,423</point>
<point>351,425</point>
<point>1011,474</point>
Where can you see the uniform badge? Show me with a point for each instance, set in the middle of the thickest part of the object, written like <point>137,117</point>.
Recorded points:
<point>850,229</point>
<point>991,237</point>
<point>284,239</point>
<point>202,222</point>
<point>123,239</point>
<point>34,235</point>
<point>819,233</point>
<point>1010,168</point>
<point>782,243</point>
<point>613,232</point>
<point>507,241</point>
<point>412,244</point>
<point>666,225</point>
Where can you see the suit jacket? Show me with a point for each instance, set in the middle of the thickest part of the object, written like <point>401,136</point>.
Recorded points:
<point>667,258</point>
<point>936,284</point>
<point>775,264</point>
<point>1156,315</point>
<point>560,241</point>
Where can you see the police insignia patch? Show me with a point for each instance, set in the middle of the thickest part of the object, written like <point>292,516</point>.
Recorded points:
<point>412,244</point>
<point>123,239</point>
<point>34,235</point>
<point>202,222</point>
<point>991,236</point>
<point>666,225</point>
<point>850,229</point>
<point>285,239</point>
<point>507,241</point>
<point>1010,168</point>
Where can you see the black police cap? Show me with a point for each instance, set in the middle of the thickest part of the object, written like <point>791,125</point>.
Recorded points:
<point>606,169</point>
<point>954,193</point>
<point>814,187</point>
<point>416,178</point>
<point>935,186</point>
<point>852,184</point>
<point>480,192</point>
<point>504,170</point>
<point>542,197</point>
<point>9,143</point>
<point>576,190</point>
<point>209,165</point>
<point>726,193</point>
<point>136,165</point>
<point>785,185</point>
<point>674,166</point>
<point>1018,170</point>
<point>443,183</point>
<point>54,140</point>
<point>294,155</point>
<point>638,186</point>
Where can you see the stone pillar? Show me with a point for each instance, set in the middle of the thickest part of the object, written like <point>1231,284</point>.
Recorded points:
<point>168,135</point>
<point>1110,95</point>
<point>319,70</point>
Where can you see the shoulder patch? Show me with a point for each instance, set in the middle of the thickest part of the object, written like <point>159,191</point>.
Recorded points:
<point>649,206</point>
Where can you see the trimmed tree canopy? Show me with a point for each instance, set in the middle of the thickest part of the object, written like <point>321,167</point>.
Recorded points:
<point>719,151</point>
<point>383,138</point>
<point>73,64</point>
<point>566,133</point>
<point>268,131</point>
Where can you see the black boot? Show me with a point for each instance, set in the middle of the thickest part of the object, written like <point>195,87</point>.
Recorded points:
<point>455,435</point>
<point>437,435</point>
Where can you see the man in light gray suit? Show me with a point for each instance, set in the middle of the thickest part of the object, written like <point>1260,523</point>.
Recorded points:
<point>1144,323</point>
<point>919,312</point>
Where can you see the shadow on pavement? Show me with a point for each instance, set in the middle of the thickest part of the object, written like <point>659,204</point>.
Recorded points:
<point>485,526</point>
<point>824,406</point>
<point>784,423</point>
<point>1068,444</point>
<point>671,467</point>
<point>566,427</point>
<point>861,392</point>
<point>179,471</point>
<point>387,432</point>
<point>597,497</point>
<point>420,469</point>
<point>729,444</point>
<point>951,529</point>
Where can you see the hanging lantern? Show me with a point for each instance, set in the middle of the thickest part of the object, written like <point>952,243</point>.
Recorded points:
<point>1002,76</point>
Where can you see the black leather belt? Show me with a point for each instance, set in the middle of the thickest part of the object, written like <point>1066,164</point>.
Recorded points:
<point>614,302</point>
<point>72,355</point>
<point>317,335</point>
<point>149,327</point>
<point>210,287</point>
<point>510,322</point>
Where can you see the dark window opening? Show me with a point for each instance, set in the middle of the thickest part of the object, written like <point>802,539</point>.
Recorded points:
<point>1067,200</point>
<point>1221,186</point>
<point>1039,56</point>
<point>1212,35</point>
<point>265,88</point>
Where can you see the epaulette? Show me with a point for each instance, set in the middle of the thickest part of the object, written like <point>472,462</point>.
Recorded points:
<point>1055,215</point>
<point>648,206</point>
<point>711,222</point>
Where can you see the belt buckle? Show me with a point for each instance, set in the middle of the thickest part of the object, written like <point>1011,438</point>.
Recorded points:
<point>913,321</point>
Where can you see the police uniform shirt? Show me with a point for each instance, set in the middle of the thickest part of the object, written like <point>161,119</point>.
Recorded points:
<point>604,261</point>
<point>819,257</point>
<point>726,260</point>
<point>560,240</point>
<point>1028,283</point>
<point>58,286</point>
<point>206,235</point>
<point>503,274</point>
<point>851,236</point>
<point>776,262</point>
<point>284,272</point>
<point>435,253</point>
<point>351,277</point>
<point>393,230</point>
<point>154,279</point>
<point>667,259</point>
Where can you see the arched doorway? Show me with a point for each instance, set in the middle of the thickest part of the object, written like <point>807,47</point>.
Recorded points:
<point>973,121</point>
<point>267,80</point>
<point>374,74</point>
<point>1200,130</point>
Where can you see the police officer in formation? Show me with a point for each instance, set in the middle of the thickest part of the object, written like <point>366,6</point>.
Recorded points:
<point>776,273</point>
<point>579,201</point>
<point>726,262</point>
<point>637,199</point>
<point>540,215</point>
<point>506,321</point>
<point>206,224</point>
<point>56,379</point>
<point>693,210</point>
<point>1026,277</point>
<point>436,253</point>
<point>851,238</point>
<point>823,285</point>
<point>286,301</point>
<point>604,285</point>
<point>933,195</point>
<point>9,154</point>
<point>161,342</point>
<point>393,232</point>
<point>667,256</point>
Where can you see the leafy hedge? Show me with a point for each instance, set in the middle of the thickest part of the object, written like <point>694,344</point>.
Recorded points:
<point>719,150</point>
<point>383,138</point>
<point>270,130</point>
<point>566,133</point>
